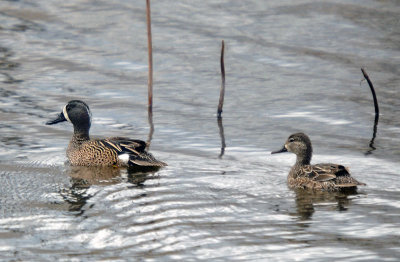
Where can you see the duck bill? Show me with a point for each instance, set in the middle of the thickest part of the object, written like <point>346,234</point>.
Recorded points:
<point>59,119</point>
<point>282,150</point>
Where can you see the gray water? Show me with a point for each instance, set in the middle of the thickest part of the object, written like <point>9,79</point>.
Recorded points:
<point>290,66</point>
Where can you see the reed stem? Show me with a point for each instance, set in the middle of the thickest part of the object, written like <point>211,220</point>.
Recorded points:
<point>222,91</point>
<point>150,58</point>
<point>371,86</point>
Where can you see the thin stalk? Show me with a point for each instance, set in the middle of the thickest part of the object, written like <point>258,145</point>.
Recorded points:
<point>222,92</point>
<point>150,51</point>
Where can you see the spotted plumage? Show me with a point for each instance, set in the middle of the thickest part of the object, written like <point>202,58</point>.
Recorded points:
<point>114,151</point>
<point>326,176</point>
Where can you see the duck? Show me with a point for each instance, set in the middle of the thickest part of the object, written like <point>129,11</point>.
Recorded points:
<point>324,177</point>
<point>112,151</point>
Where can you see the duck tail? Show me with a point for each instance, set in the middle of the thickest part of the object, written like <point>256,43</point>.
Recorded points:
<point>145,159</point>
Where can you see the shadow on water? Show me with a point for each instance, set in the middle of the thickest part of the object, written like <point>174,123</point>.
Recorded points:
<point>82,178</point>
<point>307,200</point>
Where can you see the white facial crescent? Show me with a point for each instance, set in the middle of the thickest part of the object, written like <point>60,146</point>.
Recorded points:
<point>66,114</point>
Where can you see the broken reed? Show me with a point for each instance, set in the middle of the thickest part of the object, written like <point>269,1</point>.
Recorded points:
<point>371,86</point>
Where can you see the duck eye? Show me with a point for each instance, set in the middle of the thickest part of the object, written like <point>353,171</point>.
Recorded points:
<point>291,139</point>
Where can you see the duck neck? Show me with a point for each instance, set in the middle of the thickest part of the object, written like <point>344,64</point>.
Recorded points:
<point>304,158</point>
<point>80,135</point>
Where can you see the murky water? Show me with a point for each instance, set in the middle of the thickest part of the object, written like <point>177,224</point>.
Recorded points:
<point>291,66</point>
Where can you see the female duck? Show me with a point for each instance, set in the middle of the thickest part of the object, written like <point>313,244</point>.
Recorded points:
<point>328,177</point>
<point>114,151</point>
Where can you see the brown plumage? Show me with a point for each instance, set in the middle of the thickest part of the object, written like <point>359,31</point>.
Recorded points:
<point>327,176</point>
<point>114,151</point>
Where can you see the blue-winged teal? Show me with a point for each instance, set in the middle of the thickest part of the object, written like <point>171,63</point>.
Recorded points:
<point>114,151</point>
<point>329,177</point>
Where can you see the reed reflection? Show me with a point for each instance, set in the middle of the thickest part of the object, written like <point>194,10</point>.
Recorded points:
<point>151,125</point>
<point>222,136</point>
<point>371,143</point>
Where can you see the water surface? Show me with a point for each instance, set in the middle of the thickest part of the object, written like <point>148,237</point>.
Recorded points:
<point>291,66</point>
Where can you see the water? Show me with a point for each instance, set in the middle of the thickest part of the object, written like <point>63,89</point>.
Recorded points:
<point>291,66</point>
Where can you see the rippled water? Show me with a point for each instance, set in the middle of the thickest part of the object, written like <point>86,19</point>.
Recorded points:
<point>291,66</point>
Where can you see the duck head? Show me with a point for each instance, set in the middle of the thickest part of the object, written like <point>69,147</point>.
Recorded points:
<point>299,144</point>
<point>77,112</point>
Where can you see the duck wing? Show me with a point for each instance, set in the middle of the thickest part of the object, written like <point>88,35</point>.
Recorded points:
<point>125,145</point>
<point>320,172</point>
<point>134,149</point>
<point>338,174</point>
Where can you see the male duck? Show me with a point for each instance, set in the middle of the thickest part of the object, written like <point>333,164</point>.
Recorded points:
<point>114,151</point>
<point>327,177</point>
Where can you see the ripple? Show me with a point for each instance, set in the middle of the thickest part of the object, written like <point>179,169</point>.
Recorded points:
<point>314,117</point>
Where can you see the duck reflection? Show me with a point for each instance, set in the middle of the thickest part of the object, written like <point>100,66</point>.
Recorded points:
<point>82,178</point>
<point>137,177</point>
<point>94,175</point>
<point>306,201</point>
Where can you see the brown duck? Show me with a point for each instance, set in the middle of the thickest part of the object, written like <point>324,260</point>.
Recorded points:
<point>114,151</point>
<point>327,177</point>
